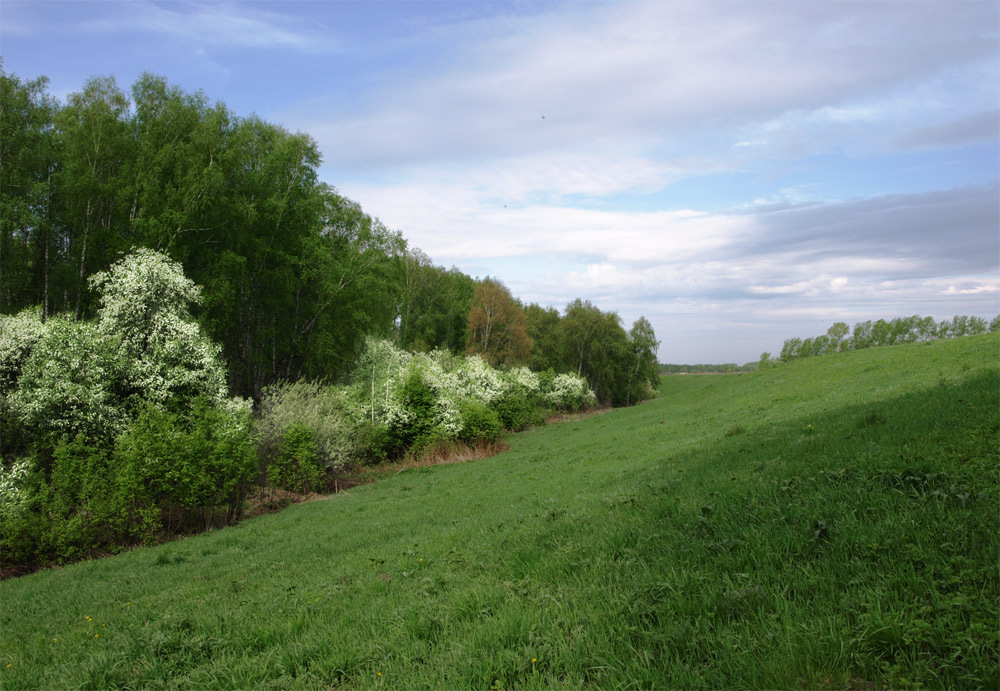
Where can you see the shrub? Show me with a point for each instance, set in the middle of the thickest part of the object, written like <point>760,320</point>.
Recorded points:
<point>517,411</point>
<point>480,424</point>
<point>24,524</point>
<point>162,355</point>
<point>570,393</point>
<point>85,507</point>
<point>18,335</point>
<point>297,467</point>
<point>420,403</point>
<point>189,466</point>
<point>67,384</point>
<point>341,436</point>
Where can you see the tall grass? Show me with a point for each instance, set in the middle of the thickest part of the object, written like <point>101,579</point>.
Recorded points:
<point>831,522</point>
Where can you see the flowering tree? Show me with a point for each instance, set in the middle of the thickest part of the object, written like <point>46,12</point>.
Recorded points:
<point>70,377</point>
<point>144,313</point>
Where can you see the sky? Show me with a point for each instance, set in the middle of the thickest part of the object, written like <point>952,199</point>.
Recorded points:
<point>739,172</point>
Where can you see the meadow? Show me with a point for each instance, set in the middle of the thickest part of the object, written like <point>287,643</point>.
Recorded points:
<point>827,523</point>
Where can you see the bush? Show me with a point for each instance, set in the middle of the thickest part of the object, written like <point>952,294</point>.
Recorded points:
<point>18,335</point>
<point>20,529</point>
<point>421,425</point>
<point>569,392</point>
<point>480,424</point>
<point>517,411</point>
<point>66,385</point>
<point>341,439</point>
<point>84,505</point>
<point>297,467</point>
<point>191,467</point>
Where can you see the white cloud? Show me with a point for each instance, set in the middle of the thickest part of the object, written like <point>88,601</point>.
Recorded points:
<point>216,24</point>
<point>667,78</point>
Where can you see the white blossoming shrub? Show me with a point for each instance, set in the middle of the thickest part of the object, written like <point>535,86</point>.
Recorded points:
<point>18,335</point>
<point>426,398</point>
<point>523,380</point>
<point>477,380</point>
<point>128,417</point>
<point>13,496</point>
<point>144,312</point>
<point>67,384</point>
<point>570,392</point>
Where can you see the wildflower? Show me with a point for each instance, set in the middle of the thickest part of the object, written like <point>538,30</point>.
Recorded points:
<point>419,559</point>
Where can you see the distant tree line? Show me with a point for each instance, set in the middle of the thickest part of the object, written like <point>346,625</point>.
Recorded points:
<point>725,368</point>
<point>869,334</point>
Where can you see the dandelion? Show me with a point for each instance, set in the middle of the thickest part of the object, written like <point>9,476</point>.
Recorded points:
<point>97,635</point>
<point>419,559</point>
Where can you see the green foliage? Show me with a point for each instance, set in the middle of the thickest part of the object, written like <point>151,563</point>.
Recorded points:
<point>543,328</point>
<point>480,424</point>
<point>870,334</point>
<point>621,367</point>
<point>434,306</point>
<point>192,467</point>
<point>518,411</point>
<point>322,409</point>
<point>298,467</point>
<point>27,240</point>
<point>165,471</point>
<point>420,404</point>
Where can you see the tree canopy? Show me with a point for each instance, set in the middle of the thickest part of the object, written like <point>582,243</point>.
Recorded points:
<point>293,276</point>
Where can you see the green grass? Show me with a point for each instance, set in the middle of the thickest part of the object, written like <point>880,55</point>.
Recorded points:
<point>827,523</point>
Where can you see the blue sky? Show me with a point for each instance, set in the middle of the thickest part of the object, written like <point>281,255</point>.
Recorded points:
<point>739,172</point>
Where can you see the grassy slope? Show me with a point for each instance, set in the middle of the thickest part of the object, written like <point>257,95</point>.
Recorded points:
<point>831,522</point>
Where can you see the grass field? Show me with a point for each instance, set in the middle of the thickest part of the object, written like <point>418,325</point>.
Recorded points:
<point>829,523</point>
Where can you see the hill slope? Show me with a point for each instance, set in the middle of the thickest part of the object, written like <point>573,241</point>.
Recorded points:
<point>830,522</point>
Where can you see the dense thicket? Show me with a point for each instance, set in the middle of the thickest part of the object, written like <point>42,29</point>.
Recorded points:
<point>869,334</point>
<point>118,428</point>
<point>294,275</point>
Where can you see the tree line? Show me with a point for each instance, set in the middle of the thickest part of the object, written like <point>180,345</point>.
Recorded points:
<point>872,334</point>
<point>725,368</point>
<point>294,275</point>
